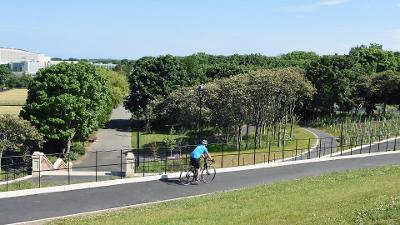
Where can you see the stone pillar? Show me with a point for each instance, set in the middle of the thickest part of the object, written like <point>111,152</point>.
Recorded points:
<point>37,163</point>
<point>130,165</point>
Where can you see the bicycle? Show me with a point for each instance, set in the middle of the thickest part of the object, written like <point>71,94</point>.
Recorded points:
<point>208,173</point>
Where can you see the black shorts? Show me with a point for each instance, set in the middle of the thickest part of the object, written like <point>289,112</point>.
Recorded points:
<point>195,162</point>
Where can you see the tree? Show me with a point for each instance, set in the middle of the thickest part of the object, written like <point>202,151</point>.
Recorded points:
<point>373,59</point>
<point>67,102</point>
<point>5,74</point>
<point>18,136</point>
<point>333,78</point>
<point>118,83</point>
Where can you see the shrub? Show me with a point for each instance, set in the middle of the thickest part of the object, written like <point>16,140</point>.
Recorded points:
<point>78,148</point>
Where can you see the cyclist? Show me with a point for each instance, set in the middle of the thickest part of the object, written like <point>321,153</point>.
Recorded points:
<point>195,157</point>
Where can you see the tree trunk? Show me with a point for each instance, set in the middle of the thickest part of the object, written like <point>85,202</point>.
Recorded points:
<point>291,126</point>
<point>247,136</point>
<point>256,135</point>
<point>279,134</point>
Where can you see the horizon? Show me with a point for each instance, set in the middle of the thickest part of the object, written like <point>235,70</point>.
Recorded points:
<point>131,30</point>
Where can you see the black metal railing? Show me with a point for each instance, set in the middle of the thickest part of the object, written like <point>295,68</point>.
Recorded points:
<point>110,164</point>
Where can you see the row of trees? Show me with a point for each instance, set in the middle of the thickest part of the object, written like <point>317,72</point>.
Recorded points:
<point>359,79</point>
<point>266,99</point>
<point>10,80</point>
<point>334,76</point>
<point>67,102</point>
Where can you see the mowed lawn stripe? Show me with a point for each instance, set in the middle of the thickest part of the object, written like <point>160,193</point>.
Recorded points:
<point>339,198</point>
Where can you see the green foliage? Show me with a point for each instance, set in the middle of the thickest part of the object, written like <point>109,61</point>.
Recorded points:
<point>19,81</point>
<point>5,73</point>
<point>68,102</point>
<point>78,148</point>
<point>264,97</point>
<point>118,83</point>
<point>18,136</point>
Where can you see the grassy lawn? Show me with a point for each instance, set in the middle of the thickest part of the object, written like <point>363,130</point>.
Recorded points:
<point>356,197</point>
<point>146,139</point>
<point>14,97</point>
<point>13,110</point>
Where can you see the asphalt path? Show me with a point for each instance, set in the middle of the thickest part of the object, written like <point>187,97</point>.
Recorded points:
<point>28,208</point>
<point>378,147</point>
<point>115,137</point>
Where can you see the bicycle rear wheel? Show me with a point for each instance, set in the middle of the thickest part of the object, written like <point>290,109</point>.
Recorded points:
<point>186,177</point>
<point>208,175</point>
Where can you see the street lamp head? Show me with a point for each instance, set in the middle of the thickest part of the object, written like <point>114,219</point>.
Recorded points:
<point>200,88</point>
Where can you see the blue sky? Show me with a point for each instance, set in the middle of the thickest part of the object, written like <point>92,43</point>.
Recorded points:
<point>135,28</point>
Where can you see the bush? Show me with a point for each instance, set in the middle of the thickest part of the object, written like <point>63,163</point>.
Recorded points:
<point>78,148</point>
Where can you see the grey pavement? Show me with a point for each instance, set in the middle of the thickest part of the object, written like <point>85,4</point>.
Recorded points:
<point>116,136</point>
<point>326,146</point>
<point>41,206</point>
<point>378,147</point>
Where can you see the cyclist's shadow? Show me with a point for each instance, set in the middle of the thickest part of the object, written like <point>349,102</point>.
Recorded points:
<point>171,181</point>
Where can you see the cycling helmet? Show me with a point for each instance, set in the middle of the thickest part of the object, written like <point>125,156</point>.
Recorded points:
<point>204,142</point>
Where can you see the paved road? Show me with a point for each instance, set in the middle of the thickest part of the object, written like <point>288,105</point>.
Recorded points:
<point>115,136</point>
<point>380,147</point>
<point>35,207</point>
<point>327,144</point>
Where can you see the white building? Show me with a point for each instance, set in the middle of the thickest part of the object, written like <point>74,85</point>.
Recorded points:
<point>22,61</point>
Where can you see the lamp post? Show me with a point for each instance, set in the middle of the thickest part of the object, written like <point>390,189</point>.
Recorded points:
<point>200,91</point>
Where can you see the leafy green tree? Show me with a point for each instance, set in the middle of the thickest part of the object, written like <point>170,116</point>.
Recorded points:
<point>18,136</point>
<point>67,102</point>
<point>118,83</point>
<point>373,59</point>
<point>5,74</point>
<point>333,78</point>
<point>19,81</point>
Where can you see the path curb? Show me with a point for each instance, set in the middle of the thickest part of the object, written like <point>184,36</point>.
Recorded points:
<point>89,185</point>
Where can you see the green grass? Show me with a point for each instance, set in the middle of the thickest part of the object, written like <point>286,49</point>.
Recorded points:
<point>13,97</point>
<point>370,196</point>
<point>147,139</point>
<point>12,110</point>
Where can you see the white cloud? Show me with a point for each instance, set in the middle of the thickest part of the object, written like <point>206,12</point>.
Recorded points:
<point>331,2</point>
<point>313,6</point>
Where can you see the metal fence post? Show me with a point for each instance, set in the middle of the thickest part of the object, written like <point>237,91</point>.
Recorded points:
<point>370,144</point>
<point>387,142</point>
<point>7,179</point>
<point>379,142</point>
<point>166,161</point>
<point>269,150</point>
<point>331,145</point>
<point>320,148</point>
<point>121,165</point>
<point>96,164</point>
<point>309,154</point>
<point>295,155</point>
<point>351,146</point>
<point>222,160</point>
<point>254,155</point>
<point>69,178</point>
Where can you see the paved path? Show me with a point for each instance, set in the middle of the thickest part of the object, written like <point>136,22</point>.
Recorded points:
<point>389,145</point>
<point>115,136</point>
<point>326,145</point>
<point>35,207</point>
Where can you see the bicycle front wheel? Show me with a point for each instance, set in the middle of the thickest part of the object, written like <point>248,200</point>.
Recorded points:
<point>186,177</point>
<point>208,175</point>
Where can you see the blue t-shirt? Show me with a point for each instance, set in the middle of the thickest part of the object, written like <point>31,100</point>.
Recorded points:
<point>198,151</point>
